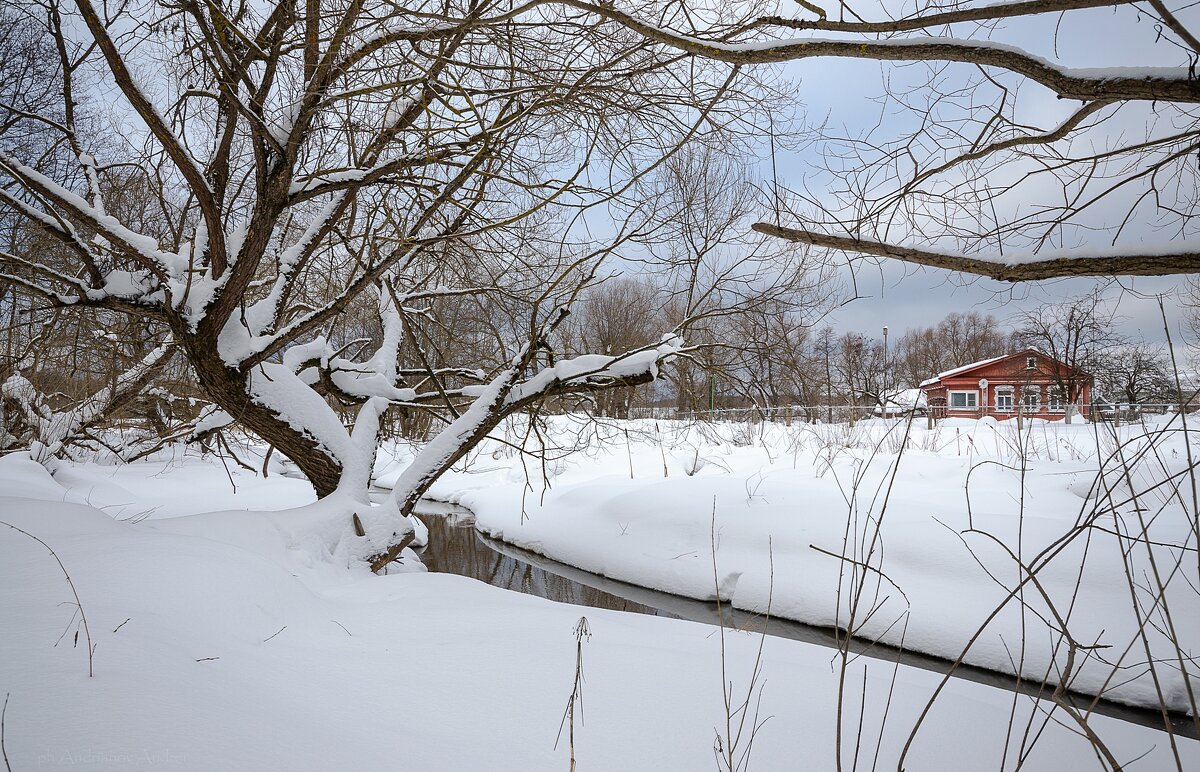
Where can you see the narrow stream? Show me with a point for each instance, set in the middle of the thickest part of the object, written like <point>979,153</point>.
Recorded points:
<point>455,547</point>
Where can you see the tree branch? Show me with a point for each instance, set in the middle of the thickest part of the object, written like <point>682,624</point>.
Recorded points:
<point>959,16</point>
<point>1002,269</point>
<point>1164,84</point>
<point>166,138</point>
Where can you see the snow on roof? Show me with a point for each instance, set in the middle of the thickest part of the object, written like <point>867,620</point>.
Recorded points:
<point>973,365</point>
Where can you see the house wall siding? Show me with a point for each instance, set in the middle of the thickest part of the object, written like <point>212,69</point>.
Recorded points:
<point>1009,373</point>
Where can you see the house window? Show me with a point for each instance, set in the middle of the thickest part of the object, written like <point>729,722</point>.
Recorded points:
<point>1030,363</point>
<point>1004,399</point>
<point>1031,399</point>
<point>964,400</point>
<point>1058,404</point>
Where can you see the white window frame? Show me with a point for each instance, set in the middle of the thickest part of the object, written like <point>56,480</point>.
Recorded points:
<point>1031,391</point>
<point>1011,393</point>
<point>972,397</point>
<point>1030,363</point>
<point>1051,393</point>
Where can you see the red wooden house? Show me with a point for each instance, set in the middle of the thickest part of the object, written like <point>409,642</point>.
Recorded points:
<point>1028,383</point>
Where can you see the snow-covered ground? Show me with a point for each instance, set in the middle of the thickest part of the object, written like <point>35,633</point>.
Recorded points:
<point>803,516</point>
<point>226,640</point>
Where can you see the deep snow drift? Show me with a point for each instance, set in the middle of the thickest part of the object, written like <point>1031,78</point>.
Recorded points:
<point>232,640</point>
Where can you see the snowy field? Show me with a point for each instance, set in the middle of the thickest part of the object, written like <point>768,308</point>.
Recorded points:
<point>223,640</point>
<point>899,533</point>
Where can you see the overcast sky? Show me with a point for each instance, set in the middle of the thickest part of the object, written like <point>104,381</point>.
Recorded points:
<point>905,296</point>
<point>900,296</point>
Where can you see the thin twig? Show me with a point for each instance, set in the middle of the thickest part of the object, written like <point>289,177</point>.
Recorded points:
<point>3,749</point>
<point>78,604</point>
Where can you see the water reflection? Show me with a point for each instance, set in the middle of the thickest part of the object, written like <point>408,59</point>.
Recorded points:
<point>457,548</point>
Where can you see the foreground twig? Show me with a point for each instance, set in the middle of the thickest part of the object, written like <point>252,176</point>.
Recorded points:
<point>78,604</point>
<point>582,632</point>
<point>3,749</point>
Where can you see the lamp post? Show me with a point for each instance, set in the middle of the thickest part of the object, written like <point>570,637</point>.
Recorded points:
<point>884,396</point>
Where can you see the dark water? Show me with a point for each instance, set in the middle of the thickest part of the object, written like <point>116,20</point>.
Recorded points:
<point>456,547</point>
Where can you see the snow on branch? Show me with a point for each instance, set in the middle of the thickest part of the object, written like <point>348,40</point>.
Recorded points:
<point>505,395</point>
<point>143,249</point>
<point>293,390</point>
<point>351,179</point>
<point>1165,84</point>
<point>53,430</point>
<point>376,377</point>
<point>263,315</point>
<point>360,382</point>
<point>926,21</point>
<point>1152,260</point>
<point>56,226</point>
<point>595,371</point>
<point>212,419</point>
<point>47,272</point>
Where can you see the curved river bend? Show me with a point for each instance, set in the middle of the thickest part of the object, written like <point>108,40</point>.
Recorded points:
<point>456,547</point>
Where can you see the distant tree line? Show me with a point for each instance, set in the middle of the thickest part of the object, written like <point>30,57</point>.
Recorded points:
<point>775,356</point>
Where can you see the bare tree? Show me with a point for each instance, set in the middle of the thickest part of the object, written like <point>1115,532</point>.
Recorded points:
<point>617,315</point>
<point>770,363</point>
<point>311,166</point>
<point>1079,334</point>
<point>957,340</point>
<point>859,367</point>
<point>745,301</point>
<point>1136,373</point>
<point>984,184</point>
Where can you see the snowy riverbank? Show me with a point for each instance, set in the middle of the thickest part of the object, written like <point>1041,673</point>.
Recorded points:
<point>221,643</point>
<point>792,514</point>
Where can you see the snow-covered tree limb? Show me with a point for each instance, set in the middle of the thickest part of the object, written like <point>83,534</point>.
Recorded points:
<point>53,430</point>
<point>1117,262</point>
<point>508,393</point>
<point>935,19</point>
<point>1162,84</point>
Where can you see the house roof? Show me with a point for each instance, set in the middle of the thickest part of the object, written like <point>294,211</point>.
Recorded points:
<point>963,369</point>
<point>980,363</point>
